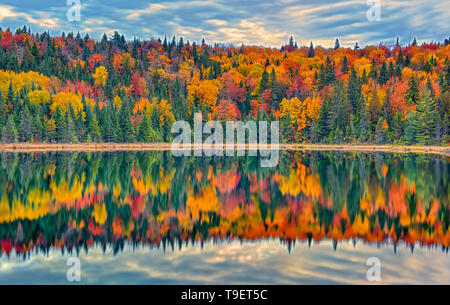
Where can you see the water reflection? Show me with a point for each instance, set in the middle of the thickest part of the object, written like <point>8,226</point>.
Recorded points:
<point>68,202</point>
<point>262,262</point>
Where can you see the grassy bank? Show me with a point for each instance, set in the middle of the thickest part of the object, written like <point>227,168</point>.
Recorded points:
<point>91,147</point>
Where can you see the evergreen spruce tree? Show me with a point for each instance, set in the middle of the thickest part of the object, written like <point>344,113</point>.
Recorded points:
<point>430,88</point>
<point>338,136</point>
<point>337,45</point>
<point>397,71</point>
<point>384,77</point>
<point>438,128</point>
<point>10,96</point>
<point>410,128</point>
<point>311,50</point>
<point>3,110</point>
<point>166,134</point>
<point>321,129</point>
<point>396,127</point>
<point>330,75</point>
<point>88,116</point>
<point>108,128</point>
<point>400,59</point>
<point>379,131</point>
<point>155,119</point>
<point>387,106</point>
<point>71,128</point>
<point>9,131</point>
<point>445,129</point>
<point>407,60</point>
<point>116,131</point>
<point>354,89</point>
<point>344,68</point>
<point>264,85</point>
<point>61,126</point>
<point>364,127</point>
<point>373,70</point>
<point>291,41</point>
<point>286,129</point>
<point>94,130</point>
<point>25,125</point>
<point>145,132</point>
<point>391,70</point>
<point>364,77</point>
<point>412,95</point>
<point>352,133</point>
<point>426,116</point>
<point>275,93</point>
<point>38,126</point>
<point>126,126</point>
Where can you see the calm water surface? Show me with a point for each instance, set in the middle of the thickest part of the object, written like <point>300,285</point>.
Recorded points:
<point>150,218</point>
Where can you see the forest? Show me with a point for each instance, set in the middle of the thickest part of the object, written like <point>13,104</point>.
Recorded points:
<point>74,89</point>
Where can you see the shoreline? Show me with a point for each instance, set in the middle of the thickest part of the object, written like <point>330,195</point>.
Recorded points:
<point>94,147</point>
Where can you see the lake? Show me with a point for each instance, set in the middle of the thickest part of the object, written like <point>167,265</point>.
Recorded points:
<point>152,218</point>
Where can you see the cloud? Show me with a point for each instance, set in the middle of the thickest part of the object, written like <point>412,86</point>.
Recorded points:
<point>151,9</point>
<point>217,22</point>
<point>42,19</point>
<point>250,32</point>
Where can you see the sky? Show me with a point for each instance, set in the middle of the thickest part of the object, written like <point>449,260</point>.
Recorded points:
<point>252,22</point>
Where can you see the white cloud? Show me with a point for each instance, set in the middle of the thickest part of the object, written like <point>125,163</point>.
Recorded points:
<point>217,22</point>
<point>152,8</point>
<point>45,21</point>
<point>252,32</point>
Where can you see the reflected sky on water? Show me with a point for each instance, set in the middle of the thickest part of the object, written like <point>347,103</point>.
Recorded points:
<point>264,262</point>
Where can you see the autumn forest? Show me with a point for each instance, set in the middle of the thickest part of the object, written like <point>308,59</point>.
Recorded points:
<point>73,89</point>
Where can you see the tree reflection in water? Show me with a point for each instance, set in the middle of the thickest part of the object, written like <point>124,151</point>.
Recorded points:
<point>71,201</point>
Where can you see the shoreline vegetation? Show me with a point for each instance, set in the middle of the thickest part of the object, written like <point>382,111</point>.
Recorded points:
<point>74,89</point>
<point>99,147</point>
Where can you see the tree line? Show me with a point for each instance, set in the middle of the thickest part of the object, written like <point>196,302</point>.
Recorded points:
<point>73,89</point>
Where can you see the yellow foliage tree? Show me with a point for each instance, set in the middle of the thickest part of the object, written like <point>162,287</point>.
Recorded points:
<point>38,97</point>
<point>21,80</point>
<point>141,105</point>
<point>165,113</point>
<point>63,100</point>
<point>300,113</point>
<point>100,215</point>
<point>100,76</point>
<point>117,101</point>
<point>206,91</point>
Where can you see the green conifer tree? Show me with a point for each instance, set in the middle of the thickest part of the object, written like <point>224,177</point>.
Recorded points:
<point>145,131</point>
<point>425,119</point>
<point>364,127</point>
<point>125,123</point>
<point>9,131</point>
<point>25,125</point>
<point>94,130</point>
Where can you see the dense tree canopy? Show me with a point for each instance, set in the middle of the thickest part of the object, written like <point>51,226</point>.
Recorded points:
<point>72,88</point>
